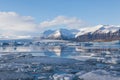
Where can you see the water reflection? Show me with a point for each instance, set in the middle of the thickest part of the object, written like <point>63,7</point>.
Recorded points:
<point>81,52</point>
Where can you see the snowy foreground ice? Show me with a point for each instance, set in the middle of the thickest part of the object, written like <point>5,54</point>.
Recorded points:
<point>21,66</point>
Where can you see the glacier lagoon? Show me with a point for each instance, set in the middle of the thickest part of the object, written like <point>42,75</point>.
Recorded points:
<point>60,60</point>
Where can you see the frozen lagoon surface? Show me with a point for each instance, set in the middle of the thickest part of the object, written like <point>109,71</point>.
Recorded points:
<point>60,60</point>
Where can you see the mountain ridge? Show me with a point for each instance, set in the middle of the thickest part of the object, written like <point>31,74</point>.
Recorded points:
<point>99,32</point>
<point>64,34</point>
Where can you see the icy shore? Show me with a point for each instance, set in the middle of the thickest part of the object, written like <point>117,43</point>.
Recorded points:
<point>28,67</point>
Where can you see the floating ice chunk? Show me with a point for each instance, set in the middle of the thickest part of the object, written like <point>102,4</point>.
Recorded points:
<point>63,77</point>
<point>99,75</point>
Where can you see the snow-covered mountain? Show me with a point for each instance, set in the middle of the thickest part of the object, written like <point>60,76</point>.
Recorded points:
<point>99,32</point>
<point>98,29</point>
<point>60,34</point>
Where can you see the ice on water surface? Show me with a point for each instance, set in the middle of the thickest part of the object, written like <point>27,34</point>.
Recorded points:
<point>60,60</point>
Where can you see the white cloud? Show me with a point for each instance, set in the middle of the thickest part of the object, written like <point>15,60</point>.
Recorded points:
<point>71,22</point>
<point>12,23</point>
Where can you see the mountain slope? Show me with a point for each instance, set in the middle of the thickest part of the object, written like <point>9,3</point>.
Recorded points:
<point>60,34</point>
<point>99,33</point>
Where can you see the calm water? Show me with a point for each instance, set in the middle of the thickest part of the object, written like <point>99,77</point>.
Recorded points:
<point>80,51</point>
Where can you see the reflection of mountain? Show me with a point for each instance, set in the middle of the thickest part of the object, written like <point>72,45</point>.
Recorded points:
<point>77,52</point>
<point>57,50</point>
<point>52,51</point>
<point>68,51</point>
<point>97,49</point>
<point>61,51</point>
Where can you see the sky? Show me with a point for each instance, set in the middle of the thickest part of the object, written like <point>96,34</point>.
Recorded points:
<point>31,17</point>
